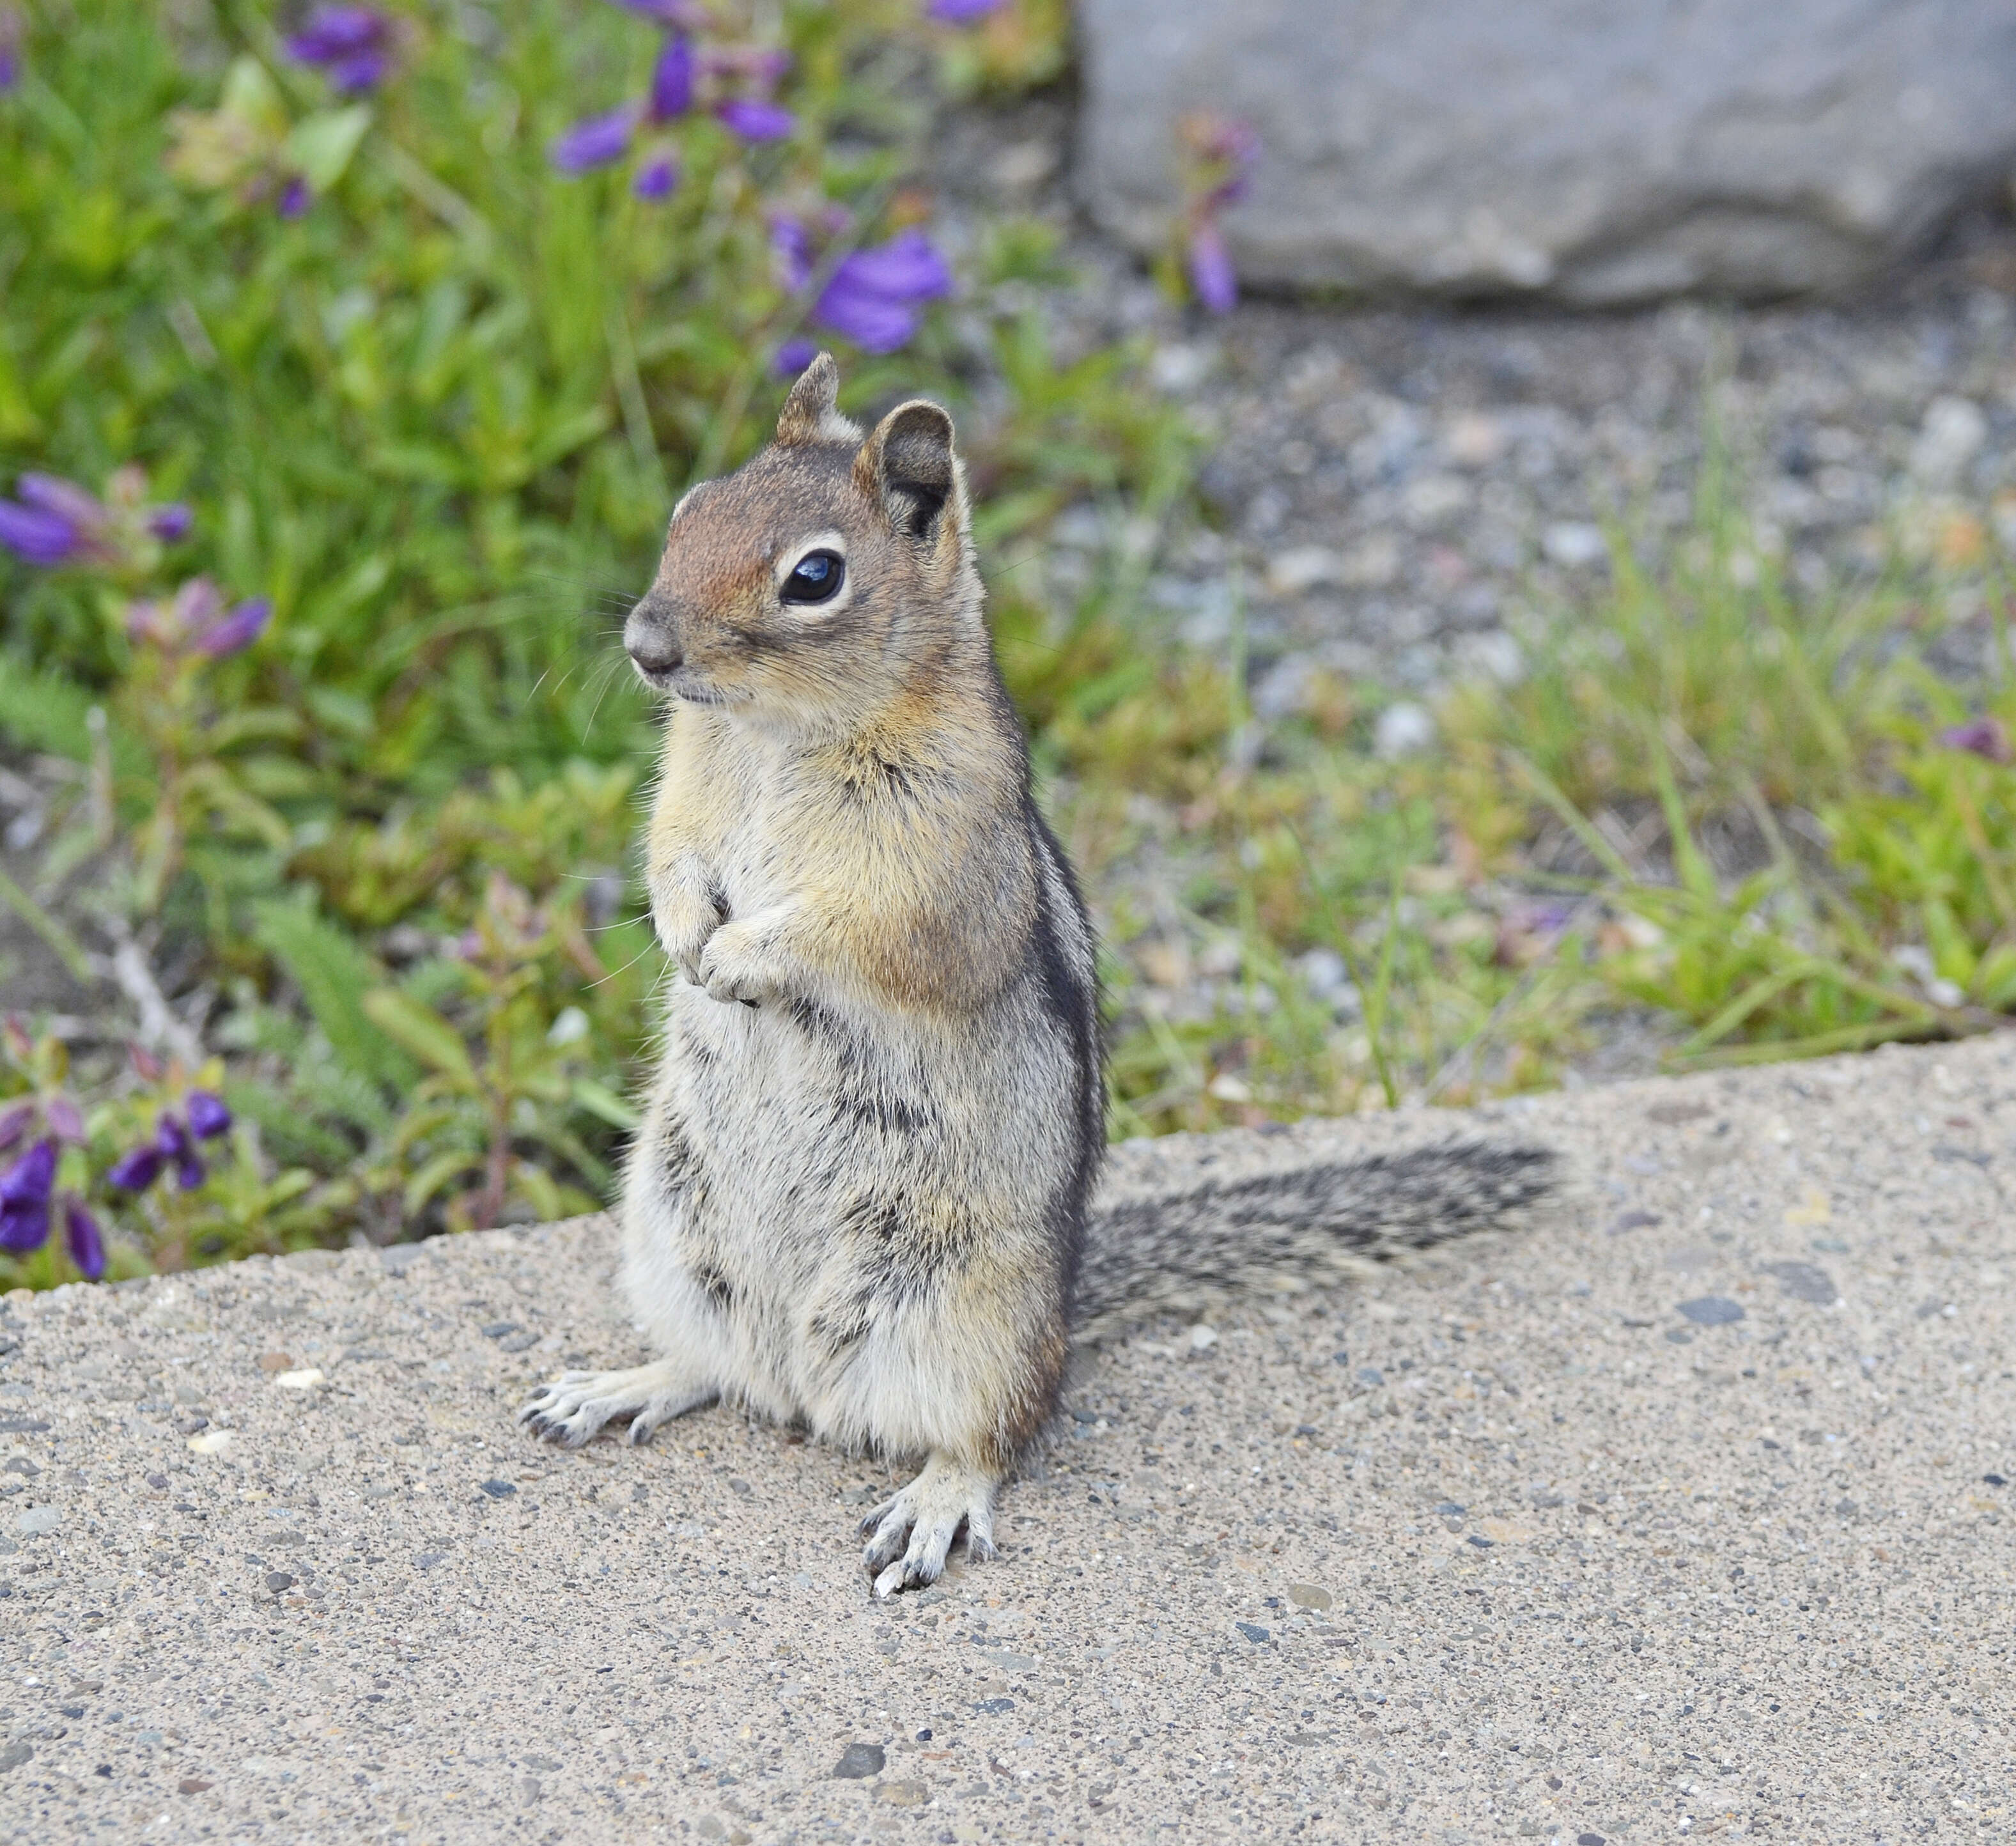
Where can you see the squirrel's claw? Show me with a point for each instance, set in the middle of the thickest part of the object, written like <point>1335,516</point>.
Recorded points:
<point>576,1405</point>
<point>913,1531</point>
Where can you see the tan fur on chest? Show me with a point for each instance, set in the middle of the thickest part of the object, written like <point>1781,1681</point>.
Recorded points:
<point>905,837</point>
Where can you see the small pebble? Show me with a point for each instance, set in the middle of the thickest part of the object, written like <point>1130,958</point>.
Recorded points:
<point>859,1761</point>
<point>1803,1282</point>
<point>1712,1311</point>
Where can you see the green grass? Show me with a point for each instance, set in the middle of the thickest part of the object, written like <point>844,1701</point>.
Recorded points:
<point>439,420</point>
<point>1715,814</point>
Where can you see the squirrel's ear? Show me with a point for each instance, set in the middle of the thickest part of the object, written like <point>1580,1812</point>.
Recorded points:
<point>812,413</point>
<point>908,465</point>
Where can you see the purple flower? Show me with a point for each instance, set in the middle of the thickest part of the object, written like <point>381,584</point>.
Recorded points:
<point>24,1226</point>
<point>793,357</point>
<point>908,268</point>
<point>350,44</point>
<point>14,1124</point>
<point>594,142</point>
<point>294,200</point>
<point>171,523</point>
<point>196,605</point>
<point>10,49</point>
<point>208,1117</point>
<point>136,1169</point>
<point>671,80</point>
<point>236,631</point>
<point>874,322</point>
<point>960,12</point>
<point>65,1119</point>
<point>196,621</point>
<point>24,1199</point>
<point>656,178</point>
<point>172,1142</point>
<point>30,1176</point>
<point>87,1242</point>
<point>55,522</point>
<point>45,539</point>
<point>874,297</point>
<point>756,121</point>
<point>1983,737</point>
<point>1211,273</point>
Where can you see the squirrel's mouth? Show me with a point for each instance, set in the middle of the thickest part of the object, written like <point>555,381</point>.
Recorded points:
<point>682,682</point>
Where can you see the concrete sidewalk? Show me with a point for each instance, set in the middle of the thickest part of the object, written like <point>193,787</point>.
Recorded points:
<point>1688,1514</point>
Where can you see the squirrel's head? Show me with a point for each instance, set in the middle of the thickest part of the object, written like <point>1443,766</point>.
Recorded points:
<point>821,578</point>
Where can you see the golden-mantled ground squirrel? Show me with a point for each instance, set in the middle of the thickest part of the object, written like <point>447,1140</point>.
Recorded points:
<point>861,1199</point>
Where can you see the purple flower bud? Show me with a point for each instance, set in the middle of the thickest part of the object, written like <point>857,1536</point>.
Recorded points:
<point>10,49</point>
<point>335,31</point>
<point>24,1199</point>
<point>136,1169</point>
<point>960,12</point>
<point>873,321</point>
<point>347,43</point>
<point>1983,737</point>
<point>1211,273</point>
<point>236,631</point>
<point>207,1116</point>
<point>755,120</point>
<point>872,296</point>
<point>351,76</point>
<point>171,523</point>
<point>65,1119</point>
<point>294,200</point>
<point>908,268</point>
<point>671,80</point>
<point>656,179</point>
<point>793,357</point>
<point>24,1226</point>
<point>45,539</point>
<point>30,1176</point>
<point>14,1123</point>
<point>87,1242</point>
<point>172,1142</point>
<point>594,142</point>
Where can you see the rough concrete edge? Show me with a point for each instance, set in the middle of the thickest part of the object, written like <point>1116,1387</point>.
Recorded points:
<point>1173,1163</point>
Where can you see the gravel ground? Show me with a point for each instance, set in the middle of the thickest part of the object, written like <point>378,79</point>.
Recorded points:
<point>1401,490</point>
<point>1688,1514</point>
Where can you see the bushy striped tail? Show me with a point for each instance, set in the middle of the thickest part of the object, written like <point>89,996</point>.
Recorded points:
<point>1180,1222</point>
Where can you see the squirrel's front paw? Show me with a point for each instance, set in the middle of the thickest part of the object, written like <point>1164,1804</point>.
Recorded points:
<point>734,967</point>
<point>684,928</point>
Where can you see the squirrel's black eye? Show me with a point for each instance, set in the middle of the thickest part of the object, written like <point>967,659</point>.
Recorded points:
<point>815,577</point>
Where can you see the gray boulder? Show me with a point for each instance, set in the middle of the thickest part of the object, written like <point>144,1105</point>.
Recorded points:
<point>1594,152</point>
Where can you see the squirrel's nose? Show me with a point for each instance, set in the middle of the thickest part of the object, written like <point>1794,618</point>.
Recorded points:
<point>651,639</point>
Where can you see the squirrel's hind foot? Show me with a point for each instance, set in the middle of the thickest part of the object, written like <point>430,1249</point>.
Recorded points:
<point>913,1531</point>
<point>576,1405</point>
